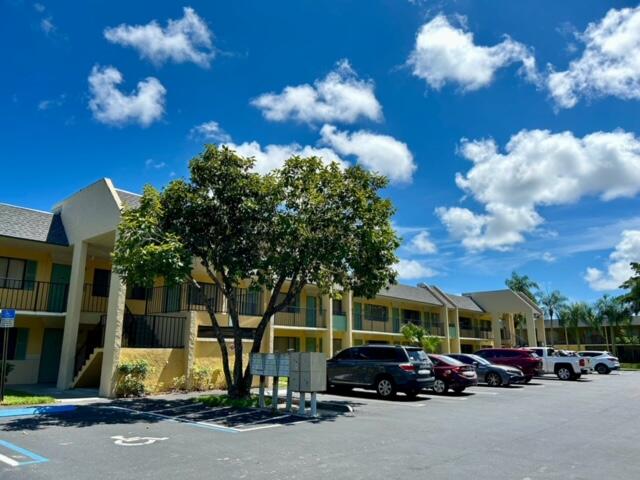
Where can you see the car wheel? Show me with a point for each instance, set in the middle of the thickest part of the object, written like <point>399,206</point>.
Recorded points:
<point>493,379</point>
<point>459,389</point>
<point>602,369</point>
<point>440,387</point>
<point>564,373</point>
<point>385,387</point>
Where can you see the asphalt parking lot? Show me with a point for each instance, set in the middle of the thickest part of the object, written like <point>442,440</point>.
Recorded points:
<point>545,430</point>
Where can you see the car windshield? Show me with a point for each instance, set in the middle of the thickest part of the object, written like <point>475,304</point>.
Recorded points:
<point>479,359</point>
<point>451,361</point>
<point>417,355</point>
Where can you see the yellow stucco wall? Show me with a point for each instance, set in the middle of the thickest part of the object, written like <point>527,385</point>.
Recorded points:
<point>26,371</point>
<point>167,364</point>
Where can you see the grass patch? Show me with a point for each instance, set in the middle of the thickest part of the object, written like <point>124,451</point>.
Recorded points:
<point>226,401</point>
<point>14,397</point>
<point>630,366</point>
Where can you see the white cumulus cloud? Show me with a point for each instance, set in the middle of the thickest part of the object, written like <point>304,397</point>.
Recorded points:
<point>271,157</point>
<point>618,269</point>
<point>537,168</point>
<point>380,153</point>
<point>339,97</point>
<point>413,270</point>
<point>187,39</point>
<point>211,131</point>
<point>421,243</point>
<point>609,65</point>
<point>109,105</point>
<point>446,54</point>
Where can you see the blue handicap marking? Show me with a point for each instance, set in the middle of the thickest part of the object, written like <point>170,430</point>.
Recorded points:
<point>16,456</point>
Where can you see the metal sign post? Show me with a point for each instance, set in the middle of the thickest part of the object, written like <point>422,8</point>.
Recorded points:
<point>7,321</point>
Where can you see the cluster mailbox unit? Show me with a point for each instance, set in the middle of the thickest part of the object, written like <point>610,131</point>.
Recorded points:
<point>306,372</point>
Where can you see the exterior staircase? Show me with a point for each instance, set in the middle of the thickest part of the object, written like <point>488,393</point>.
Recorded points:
<point>89,373</point>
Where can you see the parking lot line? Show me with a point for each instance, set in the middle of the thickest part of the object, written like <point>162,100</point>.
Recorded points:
<point>9,461</point>
<point>23,452</point>
<point>481,392</point>
<point>194,404</point>
<point>186,421</point>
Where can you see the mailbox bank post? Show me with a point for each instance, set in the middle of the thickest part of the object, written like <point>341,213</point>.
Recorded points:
<point>306,372</point>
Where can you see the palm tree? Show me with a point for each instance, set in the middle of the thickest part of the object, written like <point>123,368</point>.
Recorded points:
<point>613,311</point>
<point>552,303</point>
<point>595,321</point>
<point>575,315</point>
<point>522,284</point>
<point>563,321</point>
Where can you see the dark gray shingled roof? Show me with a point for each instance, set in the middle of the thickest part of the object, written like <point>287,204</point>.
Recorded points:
<point>19,222</point>
<point>465,303</point>
<point>406,292</point>
<point>129,199</point>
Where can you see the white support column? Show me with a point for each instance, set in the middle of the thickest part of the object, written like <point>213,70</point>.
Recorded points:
<point>112,336</point>
<point>540,331</point>
<point>495,328</point>
<point>455,347</point>
<point>531,329</point>
<point>511,325</point>
<point>327,305</point>
<point>72,318</point>
<point>347,298</point>
<point>444,313</point>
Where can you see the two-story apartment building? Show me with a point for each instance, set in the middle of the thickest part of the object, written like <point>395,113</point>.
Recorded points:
<point>76,320</point>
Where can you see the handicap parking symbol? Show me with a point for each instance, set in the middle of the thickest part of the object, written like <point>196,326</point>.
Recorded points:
<point>136,441</point>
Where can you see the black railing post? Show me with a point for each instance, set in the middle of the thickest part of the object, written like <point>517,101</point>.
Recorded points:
<point>35,297</point>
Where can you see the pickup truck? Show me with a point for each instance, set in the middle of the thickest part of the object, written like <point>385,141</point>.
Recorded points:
<point>566,368</point>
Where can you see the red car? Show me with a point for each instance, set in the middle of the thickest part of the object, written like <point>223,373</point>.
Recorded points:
<point>525,360</point>
<point>452,374</point>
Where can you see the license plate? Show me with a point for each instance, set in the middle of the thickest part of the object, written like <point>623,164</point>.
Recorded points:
<point>424,372</point>
<point>469,374</point>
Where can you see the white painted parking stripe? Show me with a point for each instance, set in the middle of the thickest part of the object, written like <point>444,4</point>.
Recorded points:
<point>178,408</point>
<point>212,426</point>
<point>482,392</point>
<point>8,460</point>
<point>447,399</point>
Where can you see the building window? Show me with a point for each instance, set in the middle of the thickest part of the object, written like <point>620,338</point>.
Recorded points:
<point>411,316</point>
<point>337,307</point>
<point>376,313</point>
<point>101,280</point>
<point>17,348</point>
<point>284,344</point>
<point>465,323</point>
<point>12,272</point>
<point>135,292</point>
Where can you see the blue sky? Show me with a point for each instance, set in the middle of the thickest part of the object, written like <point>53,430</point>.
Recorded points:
<point>534,105</point>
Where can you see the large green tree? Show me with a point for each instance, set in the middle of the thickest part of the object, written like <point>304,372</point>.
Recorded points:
<point>305,223</point>
<point>632,297</point>
<point>574,316</point>
<point>522,284</point>
<point>551,303</point>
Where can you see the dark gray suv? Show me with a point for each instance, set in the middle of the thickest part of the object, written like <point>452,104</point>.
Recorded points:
<point>387,369</point>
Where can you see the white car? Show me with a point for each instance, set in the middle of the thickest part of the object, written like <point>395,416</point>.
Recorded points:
<point>566,368</point>
<point>602,362</point>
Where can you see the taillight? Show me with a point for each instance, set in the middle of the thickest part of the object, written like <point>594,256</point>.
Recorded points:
<point>582,362</point>
<point>407,367</point>
<point>613,359</point>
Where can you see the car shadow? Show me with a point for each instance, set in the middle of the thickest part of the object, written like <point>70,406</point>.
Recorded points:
<point>369,395</point>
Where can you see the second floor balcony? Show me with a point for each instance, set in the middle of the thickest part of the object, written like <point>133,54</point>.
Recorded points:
<point>300,317</point>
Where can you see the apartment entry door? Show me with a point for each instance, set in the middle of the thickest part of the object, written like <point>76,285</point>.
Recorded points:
<point>50,355</point>
<point>59,287</point>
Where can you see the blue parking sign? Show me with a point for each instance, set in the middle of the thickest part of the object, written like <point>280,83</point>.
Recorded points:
<point>7,318</point>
